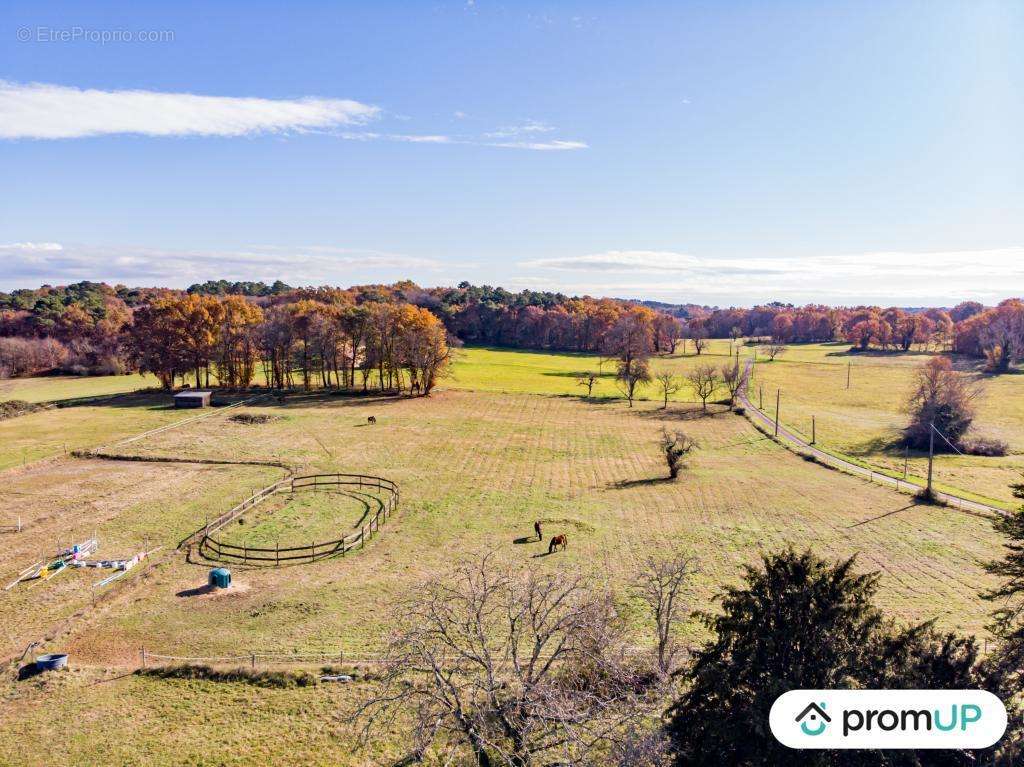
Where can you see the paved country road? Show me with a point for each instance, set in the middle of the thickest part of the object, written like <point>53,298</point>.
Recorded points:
<point>793,440</point>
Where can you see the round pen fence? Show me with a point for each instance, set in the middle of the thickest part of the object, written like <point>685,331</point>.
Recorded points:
<point>214,549</point>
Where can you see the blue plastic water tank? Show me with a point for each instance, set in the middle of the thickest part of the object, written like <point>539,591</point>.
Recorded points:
<point>220,577</point>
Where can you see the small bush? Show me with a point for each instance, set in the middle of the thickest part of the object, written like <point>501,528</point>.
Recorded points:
<point>276,679</point>
<point>15,407</point>
<point>986,446</point>
<point>254,418</point>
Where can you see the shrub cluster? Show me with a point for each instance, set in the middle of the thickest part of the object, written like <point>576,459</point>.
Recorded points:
<point>276,679</point>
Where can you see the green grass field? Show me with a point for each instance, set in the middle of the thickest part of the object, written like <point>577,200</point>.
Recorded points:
<point>476,466</point>
<point>62,388</point>
<point>324,514</point>
<point>529,372</point>
<point>865,421</point>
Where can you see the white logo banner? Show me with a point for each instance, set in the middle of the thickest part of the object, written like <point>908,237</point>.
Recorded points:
<point>878,719</point>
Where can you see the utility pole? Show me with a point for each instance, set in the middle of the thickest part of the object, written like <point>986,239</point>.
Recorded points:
<point>778,395</point>
<point>760,402</point>
<point>906,460</point>
<point>814,431</point>
<point>931,457</point>
<point>848,366</point>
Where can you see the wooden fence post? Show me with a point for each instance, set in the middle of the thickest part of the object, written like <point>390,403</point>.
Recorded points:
<point>142,653</point>
<point>254,661</point>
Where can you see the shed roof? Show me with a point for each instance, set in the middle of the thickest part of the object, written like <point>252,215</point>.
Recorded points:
<point>193,393</point>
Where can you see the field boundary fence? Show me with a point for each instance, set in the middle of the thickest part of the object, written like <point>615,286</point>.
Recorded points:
<point>253,659</point>
<point>217,550</point>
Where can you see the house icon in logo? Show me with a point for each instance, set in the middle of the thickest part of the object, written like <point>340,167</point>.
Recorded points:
<point>816,719</point>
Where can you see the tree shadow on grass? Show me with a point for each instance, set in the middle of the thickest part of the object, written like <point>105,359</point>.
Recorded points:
<point>623,484</point>
<point>577,374</point>
<point>527,539</point>
<point>888,444</point>
<point>913,504</point>
<point>687,413</point>
<point>596,400</point>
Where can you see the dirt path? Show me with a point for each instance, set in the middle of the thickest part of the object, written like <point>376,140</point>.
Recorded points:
<point>792,440</point>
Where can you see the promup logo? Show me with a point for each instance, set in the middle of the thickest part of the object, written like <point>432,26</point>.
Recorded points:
<point>813,720</point>
<point>879,719</point>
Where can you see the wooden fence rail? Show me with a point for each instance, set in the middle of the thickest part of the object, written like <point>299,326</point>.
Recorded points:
<point>217,550</point>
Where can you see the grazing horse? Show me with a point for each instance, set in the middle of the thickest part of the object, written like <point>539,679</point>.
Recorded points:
<point>536,529</point>
<point>372,419</point>
<point>558,541</point>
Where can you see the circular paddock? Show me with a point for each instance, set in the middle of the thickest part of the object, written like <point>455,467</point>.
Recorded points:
<point>376,497</point>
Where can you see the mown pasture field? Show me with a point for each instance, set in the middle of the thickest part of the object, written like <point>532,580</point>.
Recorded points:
<point>476,468</point>
<point>63,388</point>
<point>58,431</point>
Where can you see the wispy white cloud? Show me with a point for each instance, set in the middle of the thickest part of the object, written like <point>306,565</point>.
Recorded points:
<point>620,261</point>
<point>420,139</point>
<point>47,111</point>
<point>527,128</point>
<point>542,146</point>
<point>43,111</point>
<point>934,277</point>
<point>30,247</point>
<point>28,264</point>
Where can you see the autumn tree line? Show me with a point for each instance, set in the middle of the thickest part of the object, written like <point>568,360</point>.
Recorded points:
<point>232,334</point>
<point>92,327</point>
<point>995,334</point>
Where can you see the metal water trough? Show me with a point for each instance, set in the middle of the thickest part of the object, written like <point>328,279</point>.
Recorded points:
<point>52,661</point>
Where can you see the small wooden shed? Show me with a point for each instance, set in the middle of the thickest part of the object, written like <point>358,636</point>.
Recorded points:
<point>192,398</point>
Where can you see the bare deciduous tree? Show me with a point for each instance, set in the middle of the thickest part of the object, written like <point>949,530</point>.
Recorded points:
<point>631,375</point>
<point>773,350</point>
<point>512,667</point>
<point>659,582</point>
<point>700,341</point>
<point>675,446</point>
<point>732,379</point>
<point>705,381</point>
<point>669,384</point>
<point>588,379</point>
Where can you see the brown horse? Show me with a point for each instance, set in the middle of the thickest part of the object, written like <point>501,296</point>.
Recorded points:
<point>558,541</point>
<point>372,419</point>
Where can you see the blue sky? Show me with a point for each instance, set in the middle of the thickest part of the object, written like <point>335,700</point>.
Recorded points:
<point>724,153</point>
